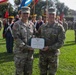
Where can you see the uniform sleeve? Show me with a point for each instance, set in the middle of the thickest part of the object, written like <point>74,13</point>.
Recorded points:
<point>60,41</point>
<point>16,34</point>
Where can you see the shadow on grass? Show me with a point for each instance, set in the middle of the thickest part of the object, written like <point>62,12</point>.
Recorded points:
<point>36,55</point>
<point>2,43</point>
<point>2,39</point>
<point>6,57</point>
<point>68,43</point>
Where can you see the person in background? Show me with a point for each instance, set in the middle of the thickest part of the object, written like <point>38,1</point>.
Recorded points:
<point>74,27</point>
<point>0,24</point>
<point>34,19</point>
<point>16,18</point>
<point>65,25</point>
<point>23,30</point>
<point>58,20</point>
<point>8,34</point>
<point>39,22</point>
<point>19,13</point>
<point>45,19</point>
<point>4,26</point>
<point>54,35</point>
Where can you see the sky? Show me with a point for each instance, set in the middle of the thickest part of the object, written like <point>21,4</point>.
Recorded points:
<point>11,1</point>
<point>70,3</point>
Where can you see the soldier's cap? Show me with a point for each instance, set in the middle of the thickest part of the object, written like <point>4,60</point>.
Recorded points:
<point>39,16</point>
<point>25,9</point>
<point>11,17</point>
<point>52,10</point>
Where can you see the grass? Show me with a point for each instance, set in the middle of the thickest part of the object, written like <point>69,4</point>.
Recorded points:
<point>67,58</point>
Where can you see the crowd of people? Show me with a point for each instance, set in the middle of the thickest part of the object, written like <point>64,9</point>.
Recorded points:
<point>19,30</point>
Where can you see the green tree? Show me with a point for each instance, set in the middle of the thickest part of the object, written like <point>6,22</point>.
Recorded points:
<point>3,9</point>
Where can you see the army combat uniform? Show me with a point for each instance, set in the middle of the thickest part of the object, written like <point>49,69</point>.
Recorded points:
<point>54,36</point>
<point>65,25</point>
<point>22,56</point>
<point>75,30</point>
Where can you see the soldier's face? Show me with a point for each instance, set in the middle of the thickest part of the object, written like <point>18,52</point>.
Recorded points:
<point>25,15</point>
<point>51,17</point>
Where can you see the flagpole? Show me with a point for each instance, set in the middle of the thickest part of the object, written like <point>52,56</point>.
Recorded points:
<point>47,8</point>
<point>34,8</point>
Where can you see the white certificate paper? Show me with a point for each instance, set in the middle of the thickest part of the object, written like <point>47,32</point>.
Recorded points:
<point>37,43</point>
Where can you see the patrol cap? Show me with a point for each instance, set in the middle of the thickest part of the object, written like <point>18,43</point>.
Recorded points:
<point>52,10</point>
<point>40,16</point>
<point>25,9</point>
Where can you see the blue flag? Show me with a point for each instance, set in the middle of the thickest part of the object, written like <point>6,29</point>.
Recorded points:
<point>25,3</point>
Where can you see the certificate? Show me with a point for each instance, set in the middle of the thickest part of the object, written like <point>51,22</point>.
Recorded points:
<point>37,43</point>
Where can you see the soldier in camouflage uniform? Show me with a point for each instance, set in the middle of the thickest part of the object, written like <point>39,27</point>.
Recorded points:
<point>75,30</point>
<point>23,53</point>
<point>65,25</point>
<point>54,35</point>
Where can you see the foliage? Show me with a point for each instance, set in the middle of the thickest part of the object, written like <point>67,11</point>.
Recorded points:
<point>3,9</point>
<point>17,2</point>
<point>62,8</point>
<point>42,3</point>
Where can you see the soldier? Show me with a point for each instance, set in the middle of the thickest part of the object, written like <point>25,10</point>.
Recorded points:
<point>22,32</point>
<point>54,35</point>
<point>39,22</point>
<point>34,19</point>
<point>75,30</point>
<point>8,34</point>
<point>65,25</point>
<point>45,19</point>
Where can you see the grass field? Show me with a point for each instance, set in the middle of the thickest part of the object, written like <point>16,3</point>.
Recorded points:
<point>67,58</point>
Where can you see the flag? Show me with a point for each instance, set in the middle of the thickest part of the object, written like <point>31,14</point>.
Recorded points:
<point>6,14</point>
<point>28,2</point>
<point>36,1</point>
<point>3,2</point>
<point>61,16</point>
<point>25,3</point>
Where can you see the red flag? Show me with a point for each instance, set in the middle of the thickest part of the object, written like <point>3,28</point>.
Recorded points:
<point>3,1</point>
<point>36,1</point>
<point>6,14</point>
<point>61,16</point>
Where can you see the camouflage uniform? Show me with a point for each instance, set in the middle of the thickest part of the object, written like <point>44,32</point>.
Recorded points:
<point>75,30</point>
<point>22,56</point>
<point>54,36</point>
<point>65,25</point>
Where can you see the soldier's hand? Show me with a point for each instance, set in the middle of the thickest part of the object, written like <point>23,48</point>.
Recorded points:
<point>45,48</point>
